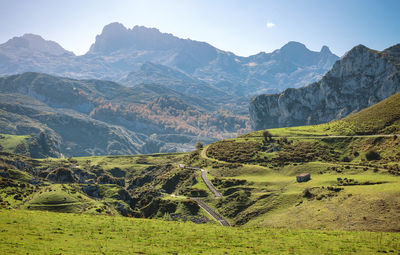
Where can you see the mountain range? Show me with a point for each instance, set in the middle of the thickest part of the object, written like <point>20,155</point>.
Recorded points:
<point>139,90</point>
<point>95,117</point>
<point>119,53</point>
<point>360,79</point>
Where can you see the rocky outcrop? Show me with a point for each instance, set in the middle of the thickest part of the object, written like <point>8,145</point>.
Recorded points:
<point>360,79</point>
<point>61,175</point>
<point>107,179</point>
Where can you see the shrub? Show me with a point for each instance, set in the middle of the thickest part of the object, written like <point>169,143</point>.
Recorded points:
<point>372,155</point>
<point>199,145</point>
<point>267,135</point>
<point>307,193</point>
<point>346,159</point>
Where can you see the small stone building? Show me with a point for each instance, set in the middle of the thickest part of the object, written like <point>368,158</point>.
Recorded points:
<point>304,177</point>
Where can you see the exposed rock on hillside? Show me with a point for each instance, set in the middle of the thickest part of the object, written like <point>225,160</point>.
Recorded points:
<point>360,79</point>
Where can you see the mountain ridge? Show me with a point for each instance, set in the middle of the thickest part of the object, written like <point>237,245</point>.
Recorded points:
<point>118,51</point>
<point>147,118</point>
<point>360,79</point>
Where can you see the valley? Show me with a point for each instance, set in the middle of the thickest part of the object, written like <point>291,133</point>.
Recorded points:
<point>354,178</point>
<point>238,131</point>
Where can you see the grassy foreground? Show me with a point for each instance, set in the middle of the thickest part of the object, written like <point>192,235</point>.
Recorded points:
<point>39,232</point>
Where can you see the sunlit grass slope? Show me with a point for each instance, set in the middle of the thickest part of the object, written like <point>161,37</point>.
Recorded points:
<point>265,172</point>
<point>381,118</point>
<point>36,232</point>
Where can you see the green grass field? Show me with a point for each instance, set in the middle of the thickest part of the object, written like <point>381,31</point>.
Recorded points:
<point>271,197</point>
<point>36,232</point>
<point>10,143</point>
<point>271,211</point>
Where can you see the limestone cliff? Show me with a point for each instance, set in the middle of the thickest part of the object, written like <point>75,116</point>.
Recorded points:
<point>360,79</point>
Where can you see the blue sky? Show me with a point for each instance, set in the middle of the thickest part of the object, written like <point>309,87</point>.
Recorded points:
<point>243,27</point>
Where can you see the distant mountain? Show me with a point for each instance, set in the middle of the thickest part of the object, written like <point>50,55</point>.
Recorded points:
<point>118,52</point>
<point>360,79</point>
<point>30,43</point>
<point>176,91</point>
<point>174,79</point>
<point>94,117</point>
<point>32,53</point>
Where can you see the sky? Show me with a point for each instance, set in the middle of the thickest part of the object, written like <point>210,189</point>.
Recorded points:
<point>244,27</point>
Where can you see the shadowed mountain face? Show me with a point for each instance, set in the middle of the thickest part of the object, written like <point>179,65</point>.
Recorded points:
<point>118,51</point>
<point>360,79</point>
<point>94,117</point>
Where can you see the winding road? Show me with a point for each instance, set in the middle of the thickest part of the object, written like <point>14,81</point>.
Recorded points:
<point>211,212</point>
<point>216,193</point>
<point>210,186</point>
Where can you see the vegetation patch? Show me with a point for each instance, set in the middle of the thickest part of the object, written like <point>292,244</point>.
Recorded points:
<point>234,152</point>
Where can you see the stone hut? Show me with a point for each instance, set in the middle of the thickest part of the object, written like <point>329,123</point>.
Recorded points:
<point>304,177</point>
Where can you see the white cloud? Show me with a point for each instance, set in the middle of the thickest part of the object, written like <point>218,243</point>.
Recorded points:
<point>270,24</point>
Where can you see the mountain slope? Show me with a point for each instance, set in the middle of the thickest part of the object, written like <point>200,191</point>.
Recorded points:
<point>354,165</point>
<point>119,51</point>
<point>360,79</point>
<point>150,73</point>
<point>93,117</point>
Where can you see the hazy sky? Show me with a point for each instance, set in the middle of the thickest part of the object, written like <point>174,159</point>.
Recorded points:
<point>244,27</point>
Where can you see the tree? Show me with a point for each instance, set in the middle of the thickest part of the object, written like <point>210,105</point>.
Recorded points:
<point>199,145</point>
<point>372,155</point>
<point>267,135</point>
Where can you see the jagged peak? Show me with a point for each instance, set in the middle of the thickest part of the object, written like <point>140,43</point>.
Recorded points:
<point>116,36</point>
<point>325,49</point>
<point>360,47</point>
<point>114,27</point>
<point>36,42</point>
<point>356,50</point>
<point>293,45</point>
<point>146,29</point>
<point>393,49</point>
<point>30,36</point>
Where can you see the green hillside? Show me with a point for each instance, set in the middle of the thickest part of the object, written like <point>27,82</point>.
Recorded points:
<point>354,186</point>
<point>36,232</point>
<point>354,167</point>
<point>381,118</point>
<point>14,143</point>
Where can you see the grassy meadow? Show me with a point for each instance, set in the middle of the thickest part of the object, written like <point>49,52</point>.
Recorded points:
<point>38,232</point>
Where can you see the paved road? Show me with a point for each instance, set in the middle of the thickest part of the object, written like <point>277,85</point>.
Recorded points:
<point>209,184</point>
<point>211,212</point>
<point>216,193</point>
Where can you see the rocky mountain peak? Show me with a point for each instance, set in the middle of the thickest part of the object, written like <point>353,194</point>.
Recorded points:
<point>114,28</point>
<point>34,43</point>
<point>325,50</point>
<point>361,78</point>
<point>393,53</point>
<point>298,54</point>
<point>292,47</point>
<point>116,36</point>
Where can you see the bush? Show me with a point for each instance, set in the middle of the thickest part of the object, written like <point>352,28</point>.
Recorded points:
<point>307,193</point>
<point>346,159</point>
<point>267,135</point>
<point>199,145</point>
<point>372,155</point>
